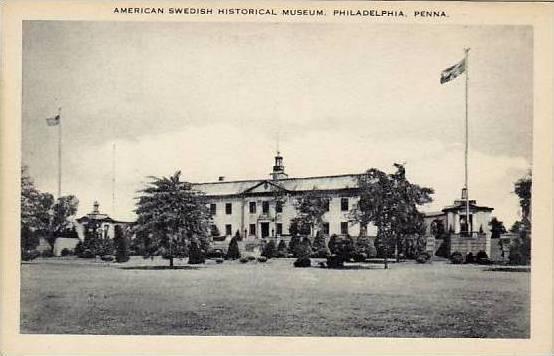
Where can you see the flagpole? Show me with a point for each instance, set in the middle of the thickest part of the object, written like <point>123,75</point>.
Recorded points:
<point>467,142</point>
<point>59,152</point>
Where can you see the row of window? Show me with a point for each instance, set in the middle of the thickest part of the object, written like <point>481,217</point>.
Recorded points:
<point>252,207</point>
<point>279,229</point>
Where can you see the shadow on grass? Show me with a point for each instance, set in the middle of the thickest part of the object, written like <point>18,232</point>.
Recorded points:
<point>349,267</point>
<point>510,269</point>
<point>157,268</point>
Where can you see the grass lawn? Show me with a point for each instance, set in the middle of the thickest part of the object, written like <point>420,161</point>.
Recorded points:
<point>76,296</point>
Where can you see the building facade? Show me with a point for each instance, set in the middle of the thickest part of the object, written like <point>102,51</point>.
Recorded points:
<point>264,208</point>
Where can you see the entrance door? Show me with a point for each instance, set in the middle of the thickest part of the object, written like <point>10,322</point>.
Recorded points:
<point>265,229</point>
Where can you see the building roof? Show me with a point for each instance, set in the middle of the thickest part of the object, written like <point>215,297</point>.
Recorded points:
<point>461,204</point>
<point>337,182</point>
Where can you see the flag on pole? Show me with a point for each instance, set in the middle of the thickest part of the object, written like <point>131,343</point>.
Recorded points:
<point>53,121</point>
<point>451,73</point>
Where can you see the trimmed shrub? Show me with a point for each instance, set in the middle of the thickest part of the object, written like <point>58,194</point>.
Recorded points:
<point>335,261</point>
<point>214,253</point>
<point>303,262</point>
<point>281,249</point>
<point>269,249</point>
<point>28,255</point>
<point>470,258</point>
<point>87,254</point>
<point>456,258</point>
<point>293,243</point>
<point>359,257</point>
<point>250,258</point>
<point>233,251</point>
<point>262,259</point>
<point>219,260</point>
<point>244,260</point>
<point>121,243</point>
<point>47,253</point>
<point>423,257</point>
<point>66,252</point>
<point>196,256</point>
<point>107,258</point>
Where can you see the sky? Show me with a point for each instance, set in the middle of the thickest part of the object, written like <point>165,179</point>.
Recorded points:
<point>216,99</point>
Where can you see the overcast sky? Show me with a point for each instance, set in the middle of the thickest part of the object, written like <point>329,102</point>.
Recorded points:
<point>211,99</point>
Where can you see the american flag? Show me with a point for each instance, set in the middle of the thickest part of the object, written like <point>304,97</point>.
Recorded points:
<point>53,121</point>
<point>451,73</point>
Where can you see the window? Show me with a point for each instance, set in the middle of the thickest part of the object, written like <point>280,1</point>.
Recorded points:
<point>344,204</point>
<point>326,205</point>
<point>279,207</point>
<point>253,229</point>
<point>344,228</point>
<point>325,228</point>
<point>279,228</point>
<point>252,207</point>
<point>265,207</point>
<point>228,208</point>
<point>213,208</point>
<point>228,230</point>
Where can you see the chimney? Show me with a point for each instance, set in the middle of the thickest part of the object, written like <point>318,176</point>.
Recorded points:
<point>221,178</point>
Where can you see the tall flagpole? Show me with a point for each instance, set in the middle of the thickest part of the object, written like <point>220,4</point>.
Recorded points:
<point>467,144</point>
<point>113,180</point>
<point>59,152</point>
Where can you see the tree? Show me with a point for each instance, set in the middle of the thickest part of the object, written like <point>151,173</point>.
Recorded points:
<point>520,250</point>
<point>41,214</point>
<point>310,208</point>
<point>173,212</point>
<point>62,209</point>
<point>233,251</point>
<point>390,203</point>
<point>497,228</point>
<point>121,243</point>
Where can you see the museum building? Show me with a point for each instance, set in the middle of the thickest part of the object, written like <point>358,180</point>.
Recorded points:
<point>251,207</point>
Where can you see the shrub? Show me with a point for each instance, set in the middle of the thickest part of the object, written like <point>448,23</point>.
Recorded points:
<point>250,258</point>
<point>269,249</point>
<point>47,253</point>
<point>303,262</point>
<point>293,243</point>
<point>262,259</point>
<point>219,260</point>
<point>214,253</point>
<point>244,260</point>
<point>196,256</point>
<point>121,243</point>
<point>87,254</point>
<point>107,258</point>
<point>456,258</point>
<point>28,255</point>
<point>423,257</point>
<point>470,258</point>
<point>233,251</point>
<point>480,255</point>
<point>321,253</point>
<point>359,257</point>
<point>281,249</point>
<point>66,252</point>
<point>335,261</point>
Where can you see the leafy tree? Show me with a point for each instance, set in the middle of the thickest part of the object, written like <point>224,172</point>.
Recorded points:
<point>173,212</point>
<point>497,228</point>
<point>310,209</point>
<point>390,203</point>
<point>41,214</point>
<point>520,250</point>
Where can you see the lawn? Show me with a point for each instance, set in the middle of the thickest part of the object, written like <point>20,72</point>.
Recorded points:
<point>75,296</point>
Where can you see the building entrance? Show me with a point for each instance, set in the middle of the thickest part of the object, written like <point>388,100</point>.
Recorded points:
<point>265,229</point>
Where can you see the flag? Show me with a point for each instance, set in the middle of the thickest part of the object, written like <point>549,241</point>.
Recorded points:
<point>53,121</point>
<point>451,73</point>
